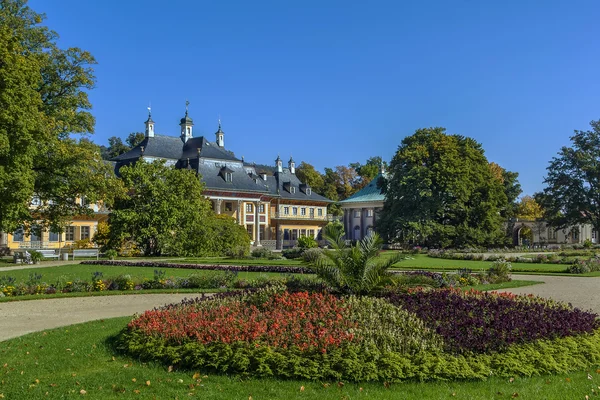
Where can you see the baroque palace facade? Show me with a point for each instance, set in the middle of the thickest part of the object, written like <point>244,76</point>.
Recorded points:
<point>275,207</point>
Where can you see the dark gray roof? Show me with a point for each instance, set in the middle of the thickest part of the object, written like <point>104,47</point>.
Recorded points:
<point>173,148</point>
<point>212,161</point>
<point>158,146</point>
<point>281,182</point>
<point>214,179</point>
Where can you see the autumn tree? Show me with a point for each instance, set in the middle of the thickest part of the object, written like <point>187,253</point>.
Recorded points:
<point>441,192</point>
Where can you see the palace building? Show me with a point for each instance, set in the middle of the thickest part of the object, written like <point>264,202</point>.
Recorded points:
<point>275,207</point>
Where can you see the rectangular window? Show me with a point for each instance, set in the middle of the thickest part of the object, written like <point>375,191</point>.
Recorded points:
<point>228,176</point>
<point>69,233</point>
<point>53,236</point>
<point>18,235</point>
<point>311,233</point>
<point>303,211</point>
<point>369,213</point>
<point>292,189</point>
<point>85,232</point>
<point>286,211</point>
<point>302,232</point>
<point>35,234</point>
<point>286,234</point>
<point>312,212</point>
<point>250,230</point>
<point>293,234</point>
<point>356,213</point>
<point>249,207</point>
<point>228,207</point>
<point>551,233</point>
<point>320,212</point>
<point>295,210</point>
<point>261,208</point>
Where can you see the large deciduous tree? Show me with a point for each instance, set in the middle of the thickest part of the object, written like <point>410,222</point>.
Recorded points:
<point>442,192</point>
<point>165,212</point>
<point>43,100</point>
<point>572,192</point>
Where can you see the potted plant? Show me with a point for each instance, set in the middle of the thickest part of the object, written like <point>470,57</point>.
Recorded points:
<point>36,257</point>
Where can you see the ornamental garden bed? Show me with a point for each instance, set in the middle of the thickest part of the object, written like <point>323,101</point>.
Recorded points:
<point>418,334</point>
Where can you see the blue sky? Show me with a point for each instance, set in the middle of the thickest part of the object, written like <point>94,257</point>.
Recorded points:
<point>335,82</point>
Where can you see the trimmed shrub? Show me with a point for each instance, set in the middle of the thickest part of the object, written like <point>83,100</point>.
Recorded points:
<point>307,242</point>
<point>292,254</point>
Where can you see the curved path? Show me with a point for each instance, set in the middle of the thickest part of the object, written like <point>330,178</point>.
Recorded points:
<point>581,292</point>
<point>20,317</point>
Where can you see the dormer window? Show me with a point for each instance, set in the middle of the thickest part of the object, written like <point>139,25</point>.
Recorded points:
<point>292,189</point>
<point>226,174</point>
<point>304,188</point>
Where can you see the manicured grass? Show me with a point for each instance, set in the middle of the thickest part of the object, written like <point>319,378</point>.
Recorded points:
<point>62,363</point>
<point>422,261</point>
<point>82,271</point>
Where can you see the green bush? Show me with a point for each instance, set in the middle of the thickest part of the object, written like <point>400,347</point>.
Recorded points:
<point>293,253</point>
<point>312,255</point>
<point>499,271</point>
<point>111,254</point>
<point>238,252</point>
<point>262,252</point>
<point>209,281</point>
<point>307,242</point>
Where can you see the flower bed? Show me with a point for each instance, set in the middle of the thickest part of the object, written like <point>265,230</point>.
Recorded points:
<point>239,268</point>
<point>319,336</point>
<point>482,322</point>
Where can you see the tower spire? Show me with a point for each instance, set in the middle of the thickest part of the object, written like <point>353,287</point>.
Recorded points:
<point>186,124</point>
<point>149,123</point>
<point>220,135</point>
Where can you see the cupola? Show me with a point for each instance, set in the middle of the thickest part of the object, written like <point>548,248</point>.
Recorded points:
<point>186,125</point>
<point>149,124</point>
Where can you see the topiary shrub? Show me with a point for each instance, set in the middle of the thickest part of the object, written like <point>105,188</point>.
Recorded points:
<point>293,253</point>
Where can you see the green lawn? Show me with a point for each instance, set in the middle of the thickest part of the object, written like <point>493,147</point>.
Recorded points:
<point>422,261</point>
<point>82,271</point>
<point>77,362</point>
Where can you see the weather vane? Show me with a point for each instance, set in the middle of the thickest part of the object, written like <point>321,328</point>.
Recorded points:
<point>187,103</point>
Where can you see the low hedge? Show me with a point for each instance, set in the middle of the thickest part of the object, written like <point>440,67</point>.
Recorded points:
<point>239,268</point>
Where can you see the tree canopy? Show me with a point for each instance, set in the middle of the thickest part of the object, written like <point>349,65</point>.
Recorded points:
<point>165,212</point>
<point>442,192</point>
<point>43,100</point>
<point>572,192</point>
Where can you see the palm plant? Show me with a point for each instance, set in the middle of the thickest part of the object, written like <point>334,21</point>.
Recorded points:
<point>354,269</point>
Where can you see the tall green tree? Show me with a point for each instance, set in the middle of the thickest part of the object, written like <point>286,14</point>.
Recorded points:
<point>572,192</point>
<point>366,172</point>
<point>134,138</point>
<point>165,212</point>
<point>309,175</point>
<point>441,192</point>
<point>43,100</point>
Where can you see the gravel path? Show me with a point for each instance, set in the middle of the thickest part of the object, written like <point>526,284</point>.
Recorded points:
<point>21,317</point>
<point>579,291</point>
